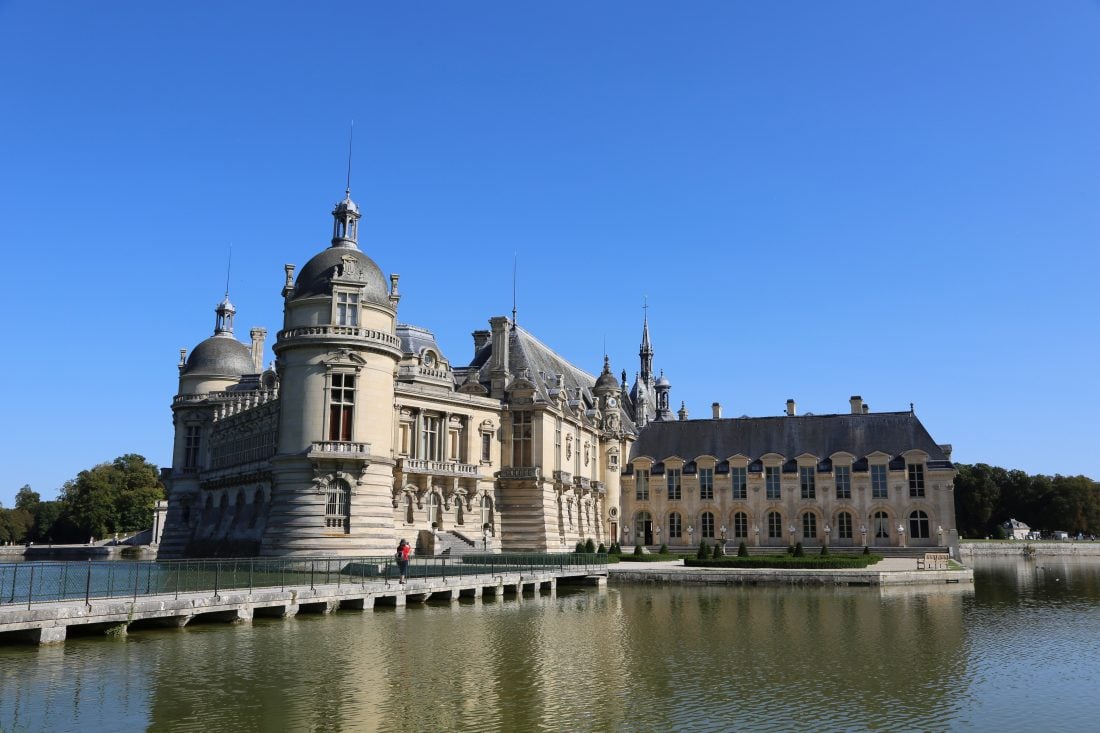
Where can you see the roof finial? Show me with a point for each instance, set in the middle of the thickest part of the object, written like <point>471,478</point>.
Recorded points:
<point>351,139</point>
<point>228,269</point>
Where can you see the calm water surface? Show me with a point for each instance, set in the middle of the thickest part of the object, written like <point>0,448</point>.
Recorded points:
<point>1018,652</point>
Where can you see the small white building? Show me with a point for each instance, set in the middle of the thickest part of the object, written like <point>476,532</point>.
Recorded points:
<point>1016,530</point>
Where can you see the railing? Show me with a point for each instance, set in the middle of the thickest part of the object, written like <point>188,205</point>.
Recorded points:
<point>519,473</point>
<point>342,448</point>
<point>418,465</point>
<point>367,334</point>
<point>27,583</point>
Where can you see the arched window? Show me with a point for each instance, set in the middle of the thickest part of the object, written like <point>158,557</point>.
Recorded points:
<point>708,525</point>
<point>741,525</point>
<point>844,526</point>
<point>675,525</point>
<point>433,510</point>
<point>918,526</point>
<point>338,506</point>
<point>775,525</point>
<point>257,507</point>
<point>880,524</point>
<point>809,526</point>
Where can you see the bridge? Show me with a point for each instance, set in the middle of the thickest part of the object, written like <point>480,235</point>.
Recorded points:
<point>44,603</point>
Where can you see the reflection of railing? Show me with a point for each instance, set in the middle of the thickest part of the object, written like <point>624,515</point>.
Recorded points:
<point>418,465</point>
<point>26,583</point>
<point>518,473</point>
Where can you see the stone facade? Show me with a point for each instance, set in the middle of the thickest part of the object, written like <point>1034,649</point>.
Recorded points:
<point>363,432</point>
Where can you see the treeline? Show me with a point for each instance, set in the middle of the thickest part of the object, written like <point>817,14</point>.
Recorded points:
<point>987,496</point>
<point>108,498</point>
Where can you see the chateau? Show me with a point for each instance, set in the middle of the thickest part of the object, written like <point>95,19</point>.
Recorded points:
<point>365,432</point>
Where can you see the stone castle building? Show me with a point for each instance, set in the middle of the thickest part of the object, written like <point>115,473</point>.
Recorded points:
<point>364,432</point>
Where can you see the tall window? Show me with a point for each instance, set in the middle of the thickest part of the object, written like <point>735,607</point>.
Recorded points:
<point>486,447</point>
<point>521,439</point>
<point>844,526</point>
<point>675,525</point>
<point>706,483</point>
<point>775,525</point>
<point>843,482</point>
<point>641,484</point>
<point>918,525</point>
<point>771,481</point>
<point>191,441</point>
<point>708,525</point>
<point>341,406</point>
<point>739,477</point>
<point>433,509</point>
<point>916,479</point>
<point>809,526</point>
<point>878,482</point>
<point>880,522</point>
<point>486,512</point>
<point>431,443</point>
<point>557,444</point>
<point>672,477</point>
<point>806,481</point>
<point>337,506</point>
<point>347,309</point>
<point>740,525</point>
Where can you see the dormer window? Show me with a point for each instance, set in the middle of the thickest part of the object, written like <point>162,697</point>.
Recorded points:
<point>347,309</point>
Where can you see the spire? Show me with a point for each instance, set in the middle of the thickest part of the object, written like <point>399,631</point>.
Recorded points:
<point>646,352</point>
<point>223,324</point>
<point>345,225</point>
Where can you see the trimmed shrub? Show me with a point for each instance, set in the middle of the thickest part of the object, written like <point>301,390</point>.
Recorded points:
<point>637,549</point>
<point>590,546</point>
<point>798,551</point>
<point>742,550</point>
<point>579,549</point>
<point>663,550</point>
<point>616,549</point>
<point>790,549</point>
<point>704,552</point>
<point>717,550</point>
<point>601,550</point>
<point>866,550</point>
<point>824,550</point>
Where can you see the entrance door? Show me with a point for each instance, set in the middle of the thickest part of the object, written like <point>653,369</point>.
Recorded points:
<point>643,529</point>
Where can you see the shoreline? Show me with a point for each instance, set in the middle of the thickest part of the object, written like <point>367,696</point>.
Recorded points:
<point>888,572</point>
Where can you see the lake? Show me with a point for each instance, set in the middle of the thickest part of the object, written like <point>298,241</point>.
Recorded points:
<point>1020,651</point>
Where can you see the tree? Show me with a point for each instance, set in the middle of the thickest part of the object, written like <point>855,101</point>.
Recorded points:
<point>112,497</point>
<point>27,499</point>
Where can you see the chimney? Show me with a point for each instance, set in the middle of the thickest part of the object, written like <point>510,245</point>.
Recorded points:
<point>791,410</point>
<point>480,339</point>
<point>683,412</point>
<point>499,364</point>
<point>716,410</point>
<point>258,335</point>
<point>857,404</point>
<point>866,408</point>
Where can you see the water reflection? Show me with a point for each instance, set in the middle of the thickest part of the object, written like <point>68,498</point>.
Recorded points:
<point>632,658</point>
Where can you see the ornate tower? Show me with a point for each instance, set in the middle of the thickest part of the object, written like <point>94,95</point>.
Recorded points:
<point>336,357</point>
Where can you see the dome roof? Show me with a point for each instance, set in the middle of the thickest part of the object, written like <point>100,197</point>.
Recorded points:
<point>662,381</point>
<point>222,356</point>
<point>316,277</point>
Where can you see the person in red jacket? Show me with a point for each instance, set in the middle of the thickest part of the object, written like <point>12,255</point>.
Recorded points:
<point>402,556</point>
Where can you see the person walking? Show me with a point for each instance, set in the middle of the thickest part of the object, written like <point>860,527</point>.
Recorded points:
<point>402,556</point>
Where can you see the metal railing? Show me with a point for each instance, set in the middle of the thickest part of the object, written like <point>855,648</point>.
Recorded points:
<point>27,583</point>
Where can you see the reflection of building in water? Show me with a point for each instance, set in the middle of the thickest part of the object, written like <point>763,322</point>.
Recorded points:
<point>363,431</point>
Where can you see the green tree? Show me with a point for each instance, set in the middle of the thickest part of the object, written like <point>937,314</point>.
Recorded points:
<point>46,516</point>
<point>27,499</point>
<point>112,497</point>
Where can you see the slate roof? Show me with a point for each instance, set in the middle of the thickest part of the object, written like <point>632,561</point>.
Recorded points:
<point>316,277</point>
<point>414,340</point>
<point>892,433</point>
<point>543,366</point>
<point>220,355</point>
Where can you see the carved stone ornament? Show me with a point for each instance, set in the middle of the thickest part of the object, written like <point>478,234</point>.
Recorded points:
<point>586,453</point>
<point>568,447</point>
<point>349,270</point>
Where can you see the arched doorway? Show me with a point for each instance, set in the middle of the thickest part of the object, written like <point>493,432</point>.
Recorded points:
<point>880,528</point>
<point>643,528</point>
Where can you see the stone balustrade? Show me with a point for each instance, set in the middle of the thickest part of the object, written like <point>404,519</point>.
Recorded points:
<point>519,473</point>
<point>340,448</point>
<point>331,331</point>
<point>451,468</point>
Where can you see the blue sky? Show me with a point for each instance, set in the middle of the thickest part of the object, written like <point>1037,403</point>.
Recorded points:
<point>897,200</point>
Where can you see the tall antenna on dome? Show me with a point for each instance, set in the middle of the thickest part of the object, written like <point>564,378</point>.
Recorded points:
<point>351,139</point>
<point>228,269</point>
<point>515,259</point>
